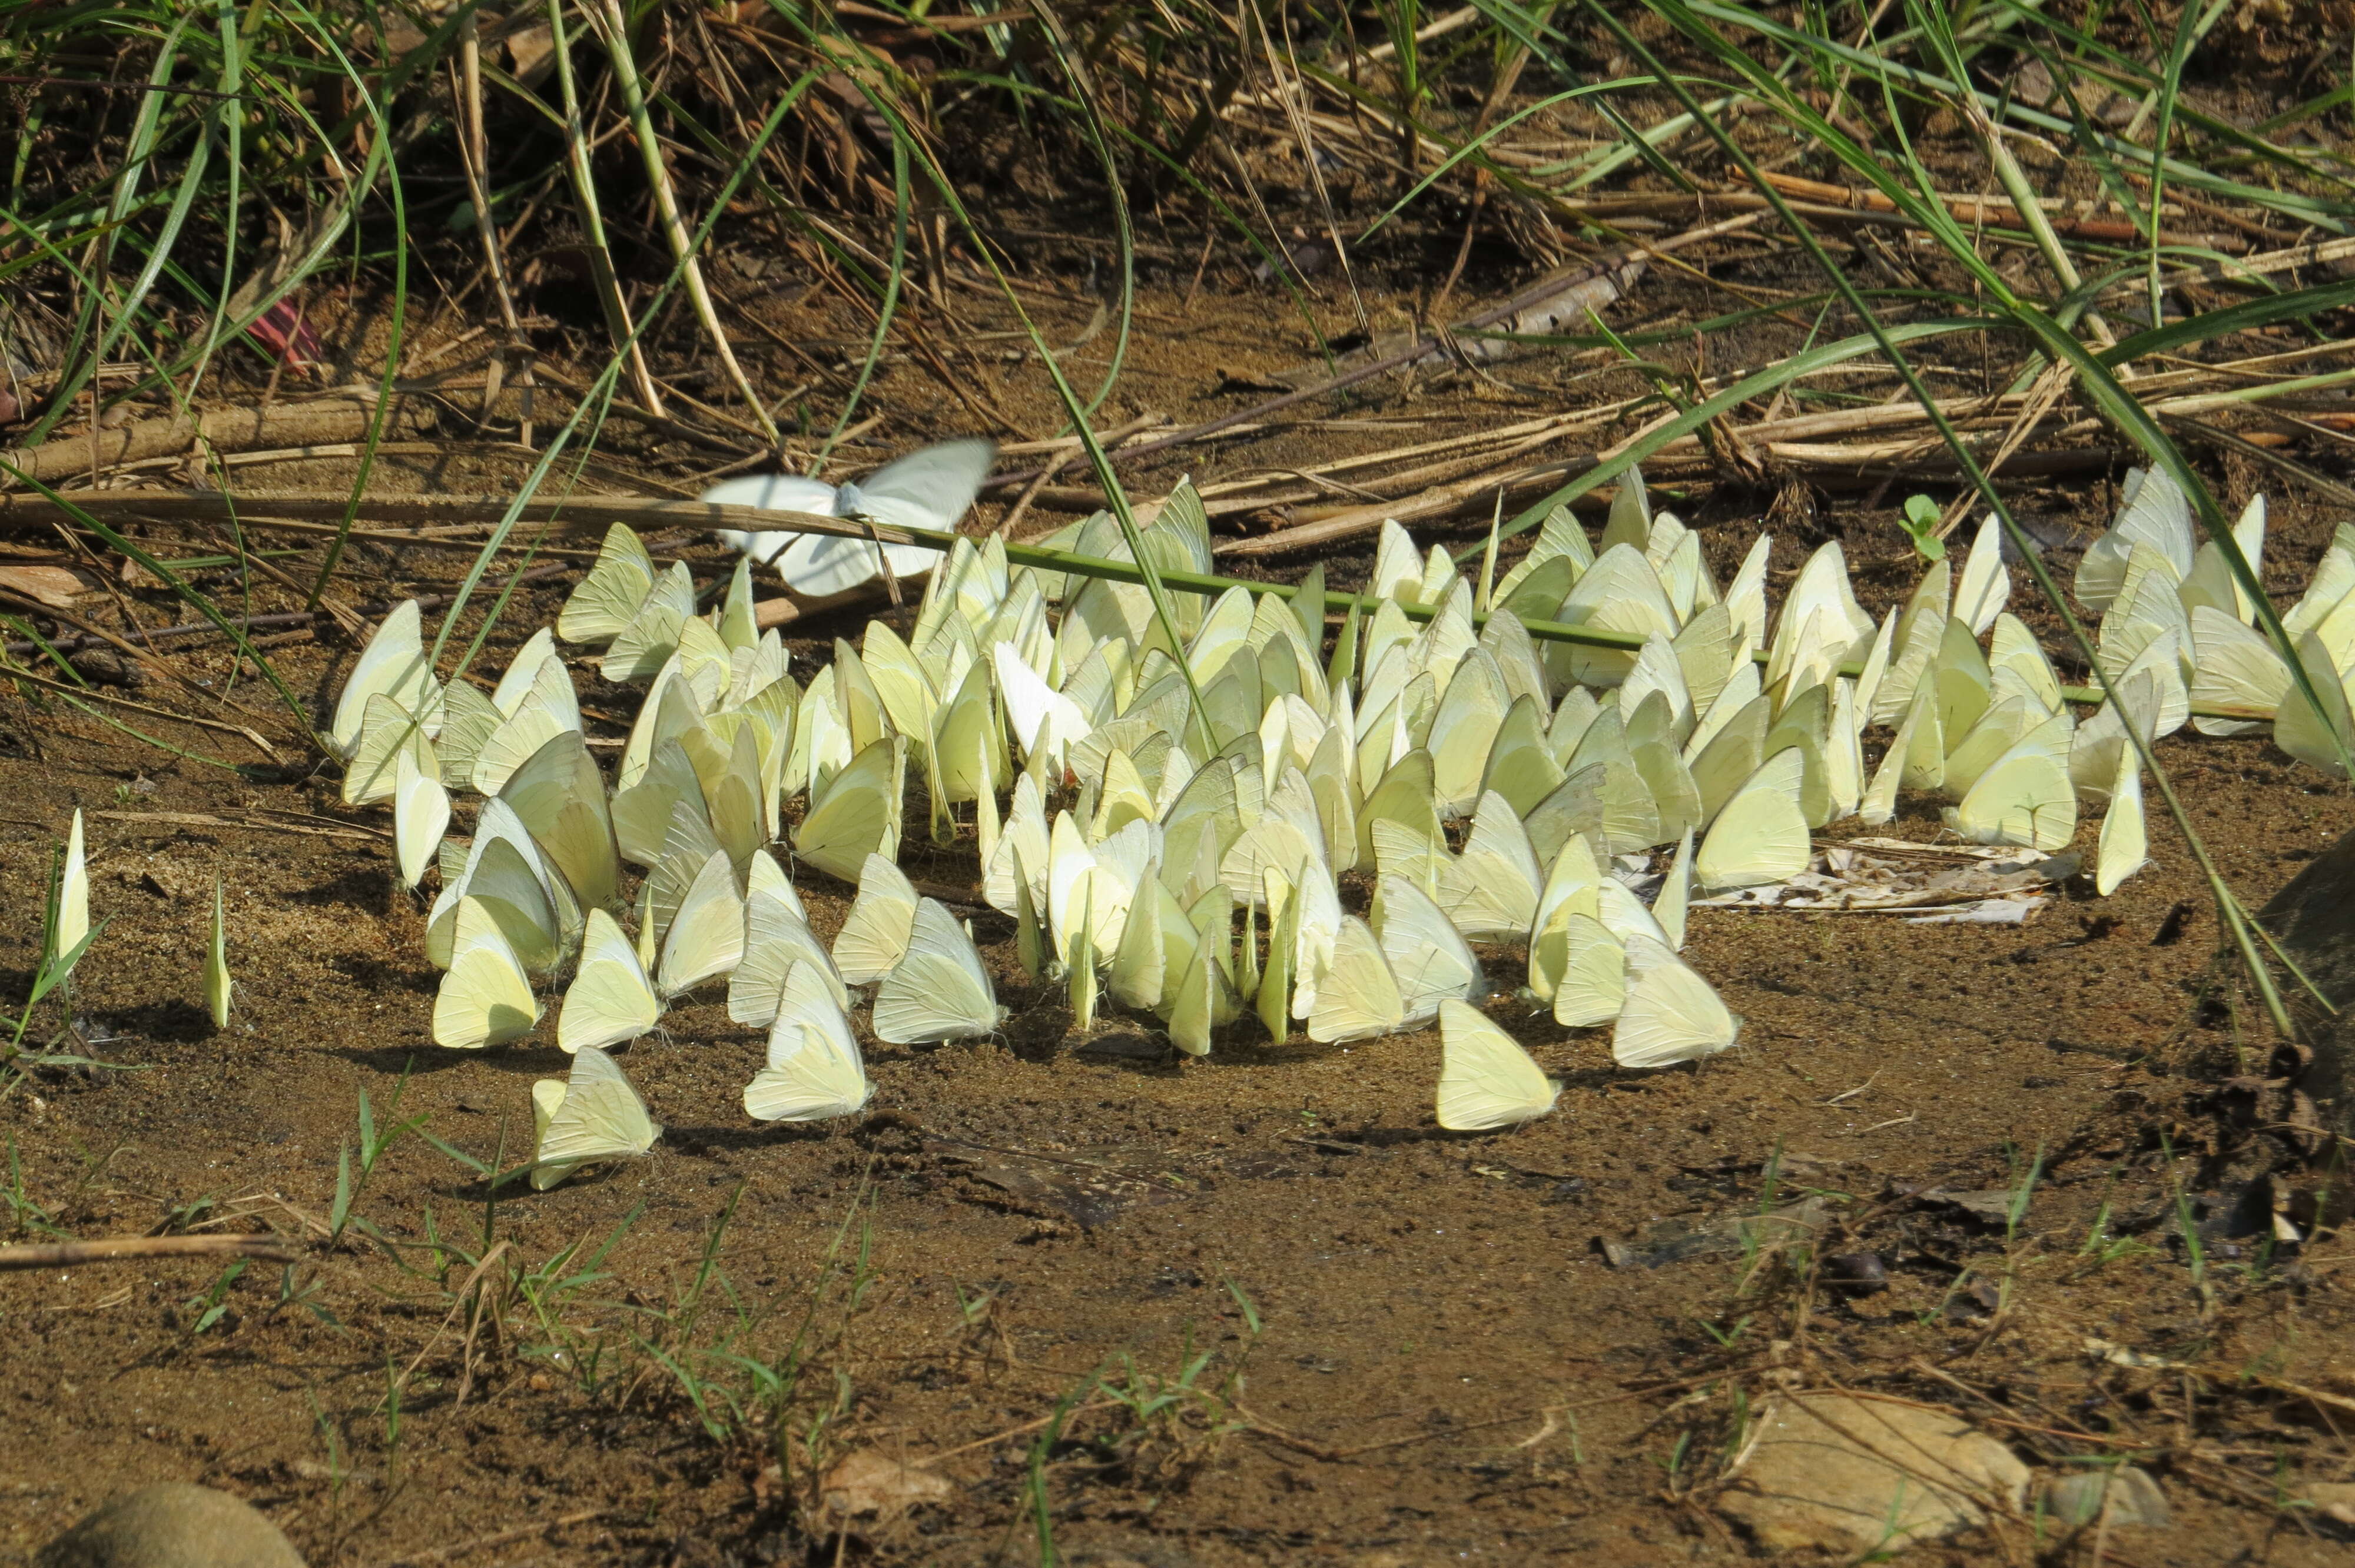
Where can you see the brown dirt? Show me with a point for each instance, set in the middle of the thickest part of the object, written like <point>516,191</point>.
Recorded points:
<point>1444,1364</point>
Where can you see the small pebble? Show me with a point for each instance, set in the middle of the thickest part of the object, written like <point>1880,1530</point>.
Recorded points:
<point>1856,1273</point>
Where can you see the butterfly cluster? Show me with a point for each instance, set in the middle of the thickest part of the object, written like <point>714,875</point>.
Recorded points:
<point>1139,787</point>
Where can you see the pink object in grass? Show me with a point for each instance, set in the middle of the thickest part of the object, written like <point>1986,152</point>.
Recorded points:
<point>282,333</point>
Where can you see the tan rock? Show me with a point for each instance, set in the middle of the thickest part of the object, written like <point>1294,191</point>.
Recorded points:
<point>172,1526</point>
<point>870,1482</point>
<point>2126,1490</point>
<point>1847,1474</point>
<point>2334,1501</point>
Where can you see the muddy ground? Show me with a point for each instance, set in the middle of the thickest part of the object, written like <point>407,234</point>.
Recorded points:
<point>1253,1309</point>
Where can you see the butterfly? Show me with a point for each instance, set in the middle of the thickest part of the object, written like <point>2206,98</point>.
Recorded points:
<point>1670,1013</point>
<point>1427,957</point>
<point>72,926</point>
<point>217,981</point>
<point>858,813</point>
<point>928,489</point>
<point>873,934</point>
<point>777,941</point>
<point>2125,846</point>
<point>814,1069</point>
<point>609,1000</point>
<point>1760,835</point>
<point>591,1117</point>
<point>705,937</point>
<point>484,997</point>
<point>393,664</point>
<point>940,990</point>
<point>1486,1079</point>
<point>1358,996</point>
<point>609,597</point>
<point>420,816</point>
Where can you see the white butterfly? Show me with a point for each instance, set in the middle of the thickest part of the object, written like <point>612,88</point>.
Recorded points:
<point>1491,890</point>
<point>1034,709</point>
<point>2025,797</point>
<point>1670,1014</point>
<point>641,649</point>
<point>1760,835</point>
<point>2124,846</point>
<point>504,870</point>
<point>1590,969</point>
<point>1358,997</point>
<point>940,990</point>
<point>485,998</point>
<point>1203,997</point>
<point>873,934</point>
<point>929,489</point>
<point>609,1000</point>
<point>420,816</point>
<point>609,597</point>
<point>1486,1079</point>
<point>777,941</point>
<point>857,812</point>
<point>705,937</point>
<point>386,731</point>
<point>73,894</point>
<point>1427,956</point>
<point>1023,839</point>
<point>546,706</point>
<point>559,795</point>
<point>813,1070</point>
<point>217,981</point>
<point>393,664</point>
<point>591,1116</point>
<point>1669,903</point>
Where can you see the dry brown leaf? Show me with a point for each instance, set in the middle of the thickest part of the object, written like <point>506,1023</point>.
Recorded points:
<point>54,586</point>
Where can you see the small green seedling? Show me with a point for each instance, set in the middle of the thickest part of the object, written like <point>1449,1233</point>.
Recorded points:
<point>1919,521</point>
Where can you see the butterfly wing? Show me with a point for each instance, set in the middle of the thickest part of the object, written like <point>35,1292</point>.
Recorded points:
<point>216,982</point>
<point>808,1078</point>
<point>420,817</point>
<point>1426,953</point>
<point>639,649</point>
<point>1357,997</point>
<point>770,492</point>
<point>607,598</point>
<point>1592,983</point>
<point>484,997</point>
<point>393,664</point>
<point>705,937</point>
<point>559,794</point>
<point>1486,1079</point>
<point>814,1069</point>
<point>859,813</point>
<point>602,1117</point>
<point>777,943</point>
<point>928,489</point>
<point>1672,1014</point>
<point>940,990</point>
<point>2124,844</point>
<point>1761,836</point>
<point>609,1000</point>
<point>873,934</point>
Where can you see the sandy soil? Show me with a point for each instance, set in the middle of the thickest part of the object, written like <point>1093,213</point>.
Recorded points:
<point>1336,1334</point>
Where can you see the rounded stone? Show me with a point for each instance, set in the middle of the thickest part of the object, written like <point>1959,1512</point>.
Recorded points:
<point>1846,1473</point>
<point>173,1525</point>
